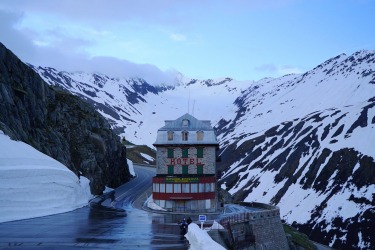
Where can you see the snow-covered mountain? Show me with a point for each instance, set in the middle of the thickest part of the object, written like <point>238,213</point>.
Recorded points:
<point>306,144</point>
<point>302,142</point>
<point>137,109</point>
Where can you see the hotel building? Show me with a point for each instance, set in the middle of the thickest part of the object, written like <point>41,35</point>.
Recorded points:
<point>185,178</point>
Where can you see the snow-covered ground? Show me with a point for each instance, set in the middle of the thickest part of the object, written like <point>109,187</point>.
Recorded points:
<point>33,184</point>
<point>199,239</point>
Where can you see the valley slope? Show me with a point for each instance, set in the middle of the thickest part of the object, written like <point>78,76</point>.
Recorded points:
<point>301,142</point>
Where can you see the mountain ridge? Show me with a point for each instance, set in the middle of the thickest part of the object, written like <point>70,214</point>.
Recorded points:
<point>300,141</point>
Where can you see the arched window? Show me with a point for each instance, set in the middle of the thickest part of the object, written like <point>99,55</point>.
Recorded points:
<point>184,135</point>
<point>199,135</point>
<point>170,135</point>
<point>185,123</point>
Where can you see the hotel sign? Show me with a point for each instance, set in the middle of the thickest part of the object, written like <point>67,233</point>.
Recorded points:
<point>181,180</point>
<point>184,161</point>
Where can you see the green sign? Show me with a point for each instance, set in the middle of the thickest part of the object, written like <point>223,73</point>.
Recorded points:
<point>181,180</point>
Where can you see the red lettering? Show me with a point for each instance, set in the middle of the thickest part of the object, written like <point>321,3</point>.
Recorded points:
<point>184,161</point>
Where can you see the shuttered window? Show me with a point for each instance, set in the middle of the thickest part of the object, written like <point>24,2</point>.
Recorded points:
<point>200,152</point>
<point>185,169</point>
<point>170,170</point>
<point>185,153</point>
<point>170,153</point>
<point>200,169</point>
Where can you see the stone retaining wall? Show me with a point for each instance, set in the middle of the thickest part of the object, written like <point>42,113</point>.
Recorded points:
<point>262,228</point>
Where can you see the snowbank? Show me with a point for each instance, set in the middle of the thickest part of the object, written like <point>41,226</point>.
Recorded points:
<point>131,168</point>
<point>33,184</point>
<point>200,240</point>
<point>151,204</point>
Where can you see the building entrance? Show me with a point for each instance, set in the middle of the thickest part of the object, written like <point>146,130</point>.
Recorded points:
<point>181,205</point>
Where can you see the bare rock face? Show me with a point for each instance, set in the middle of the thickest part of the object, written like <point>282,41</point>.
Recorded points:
<point>59,124</point>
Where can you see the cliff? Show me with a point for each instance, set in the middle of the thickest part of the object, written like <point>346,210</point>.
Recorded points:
<point>59,124</point>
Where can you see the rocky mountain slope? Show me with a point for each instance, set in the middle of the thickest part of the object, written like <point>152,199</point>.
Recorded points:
<point>315,159</point>
<point>133,106</point>
<point>301,142</point>
<point>59,124</point>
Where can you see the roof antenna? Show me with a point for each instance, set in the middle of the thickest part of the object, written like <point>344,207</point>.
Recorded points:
<point>193,108</point>
<point>189,102</point>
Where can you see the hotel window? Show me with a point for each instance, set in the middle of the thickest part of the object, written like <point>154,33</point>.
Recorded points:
<point>185,188</point>
<point>194,188</point>
<point>170,170</point>
<point>162,188</point>
<point>185,123</point>
<point>169,188</point>
<point>201,188</point>
<point>208,187</point>
<point>185,169</point>
<point>199,135</point>
<point>185,152</point>
<point>170,153</point>
<point>200,152</point>
<point>170,135</point>
<point>200,169</point>
<point>184,135</point>
<point>156,187</point>
<point>177,188</point>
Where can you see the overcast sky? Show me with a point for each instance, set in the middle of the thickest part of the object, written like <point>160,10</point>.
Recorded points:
<point>244,40</point>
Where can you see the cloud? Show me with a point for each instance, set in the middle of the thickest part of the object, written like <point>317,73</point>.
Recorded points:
<point>100,13</point>
<point>122,68</point>
<point>268,68</point>
<point>12,38</point>
<point>177,37</point>
<point>63,52</point>
<point>284,70</point>
<point>278,70</point>
<point>111,66</point>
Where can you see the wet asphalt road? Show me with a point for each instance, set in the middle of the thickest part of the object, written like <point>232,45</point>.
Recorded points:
<point>92,229</point>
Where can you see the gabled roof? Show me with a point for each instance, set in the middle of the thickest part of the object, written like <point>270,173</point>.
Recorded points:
<point>193,124</point>
<point>189,124</point>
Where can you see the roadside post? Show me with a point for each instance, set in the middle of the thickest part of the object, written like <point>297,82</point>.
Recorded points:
<point>202,219</point>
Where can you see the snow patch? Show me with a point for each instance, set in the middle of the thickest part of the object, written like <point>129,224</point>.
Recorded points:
<point>147,157</point>
<point>131,167</point>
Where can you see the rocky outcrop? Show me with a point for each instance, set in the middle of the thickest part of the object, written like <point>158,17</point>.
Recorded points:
<point>304,143</point>
<point>59,124</point>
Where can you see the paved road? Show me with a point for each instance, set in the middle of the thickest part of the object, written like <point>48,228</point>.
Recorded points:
<point>93,229</point>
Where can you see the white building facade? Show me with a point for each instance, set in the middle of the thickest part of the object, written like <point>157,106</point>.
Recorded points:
<point>185,178</point>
